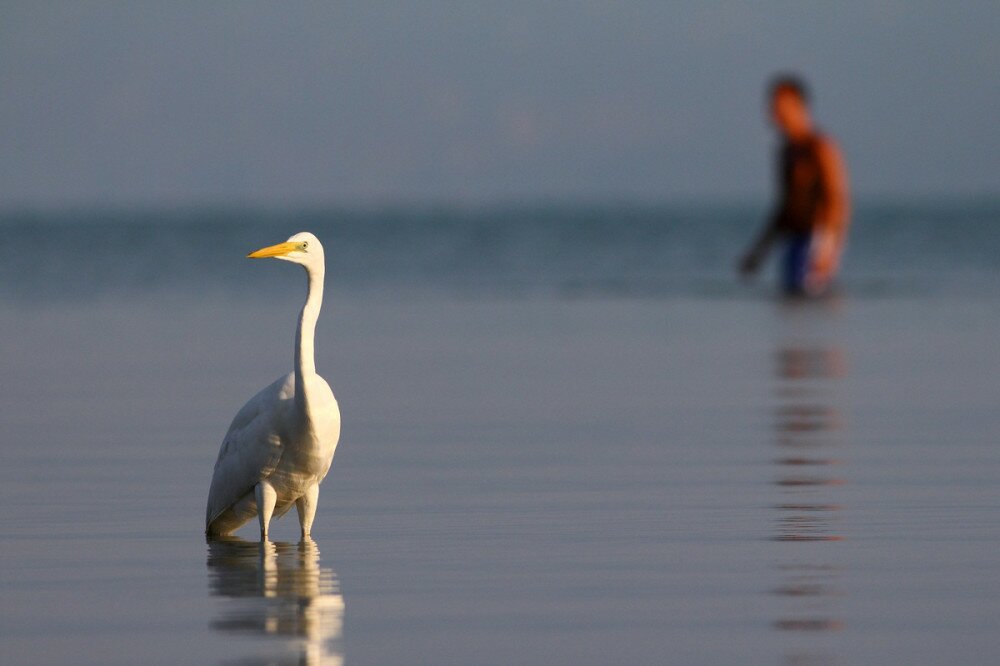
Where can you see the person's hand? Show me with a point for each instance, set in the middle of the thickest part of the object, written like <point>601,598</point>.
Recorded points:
<point>816,283</point>
<point>825,252</point>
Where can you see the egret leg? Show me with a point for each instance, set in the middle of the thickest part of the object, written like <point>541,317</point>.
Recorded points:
<point>266,499</point>
<point>306,506</point>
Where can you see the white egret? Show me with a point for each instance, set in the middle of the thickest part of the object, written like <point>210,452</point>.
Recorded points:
<point>280,444</point>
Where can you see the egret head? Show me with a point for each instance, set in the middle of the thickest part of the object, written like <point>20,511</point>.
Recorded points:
<point>302,248</point>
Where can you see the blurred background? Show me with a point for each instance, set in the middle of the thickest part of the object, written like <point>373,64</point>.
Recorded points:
<point>620,146</point>
<point>349,103</point>
<point>474,103</point>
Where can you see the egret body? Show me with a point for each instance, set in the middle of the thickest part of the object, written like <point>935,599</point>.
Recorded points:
<point>280,444</point>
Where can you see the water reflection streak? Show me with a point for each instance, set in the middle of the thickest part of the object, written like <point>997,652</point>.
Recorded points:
<point>807,430</point>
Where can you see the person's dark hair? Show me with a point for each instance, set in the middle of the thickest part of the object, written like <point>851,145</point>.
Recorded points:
<point>789,83</point>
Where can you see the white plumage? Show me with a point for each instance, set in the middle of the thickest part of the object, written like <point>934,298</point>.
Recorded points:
<point>280,444</point>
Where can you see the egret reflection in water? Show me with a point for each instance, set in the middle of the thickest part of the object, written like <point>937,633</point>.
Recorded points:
<point>280,590</point>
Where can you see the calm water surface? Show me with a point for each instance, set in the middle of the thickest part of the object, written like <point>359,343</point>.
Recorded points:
<point>527,479</point>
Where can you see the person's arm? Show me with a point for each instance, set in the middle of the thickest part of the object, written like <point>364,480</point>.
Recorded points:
<point>758,250</point>
<point>830,232</point>
<point>761,246</point>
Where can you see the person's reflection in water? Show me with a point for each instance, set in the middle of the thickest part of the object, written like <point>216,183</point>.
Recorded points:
<point>282,590</point>
<point>807,435</point>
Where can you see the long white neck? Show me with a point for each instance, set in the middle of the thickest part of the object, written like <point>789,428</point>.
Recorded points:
<point>305,361</point>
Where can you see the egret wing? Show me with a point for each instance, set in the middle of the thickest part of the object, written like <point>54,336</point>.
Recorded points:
<point>251,448</point>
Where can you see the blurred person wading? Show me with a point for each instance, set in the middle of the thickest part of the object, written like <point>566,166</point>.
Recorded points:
<point>812,212</point>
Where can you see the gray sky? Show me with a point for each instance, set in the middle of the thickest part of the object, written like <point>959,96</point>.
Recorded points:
<point>364,102</point>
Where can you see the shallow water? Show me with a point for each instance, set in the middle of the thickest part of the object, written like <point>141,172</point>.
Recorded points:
<point>533,480</point>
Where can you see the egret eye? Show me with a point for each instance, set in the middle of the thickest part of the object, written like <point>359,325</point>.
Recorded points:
<point>305,245</point>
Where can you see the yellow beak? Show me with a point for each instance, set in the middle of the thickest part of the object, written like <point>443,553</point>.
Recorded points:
<point>279,250</point>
